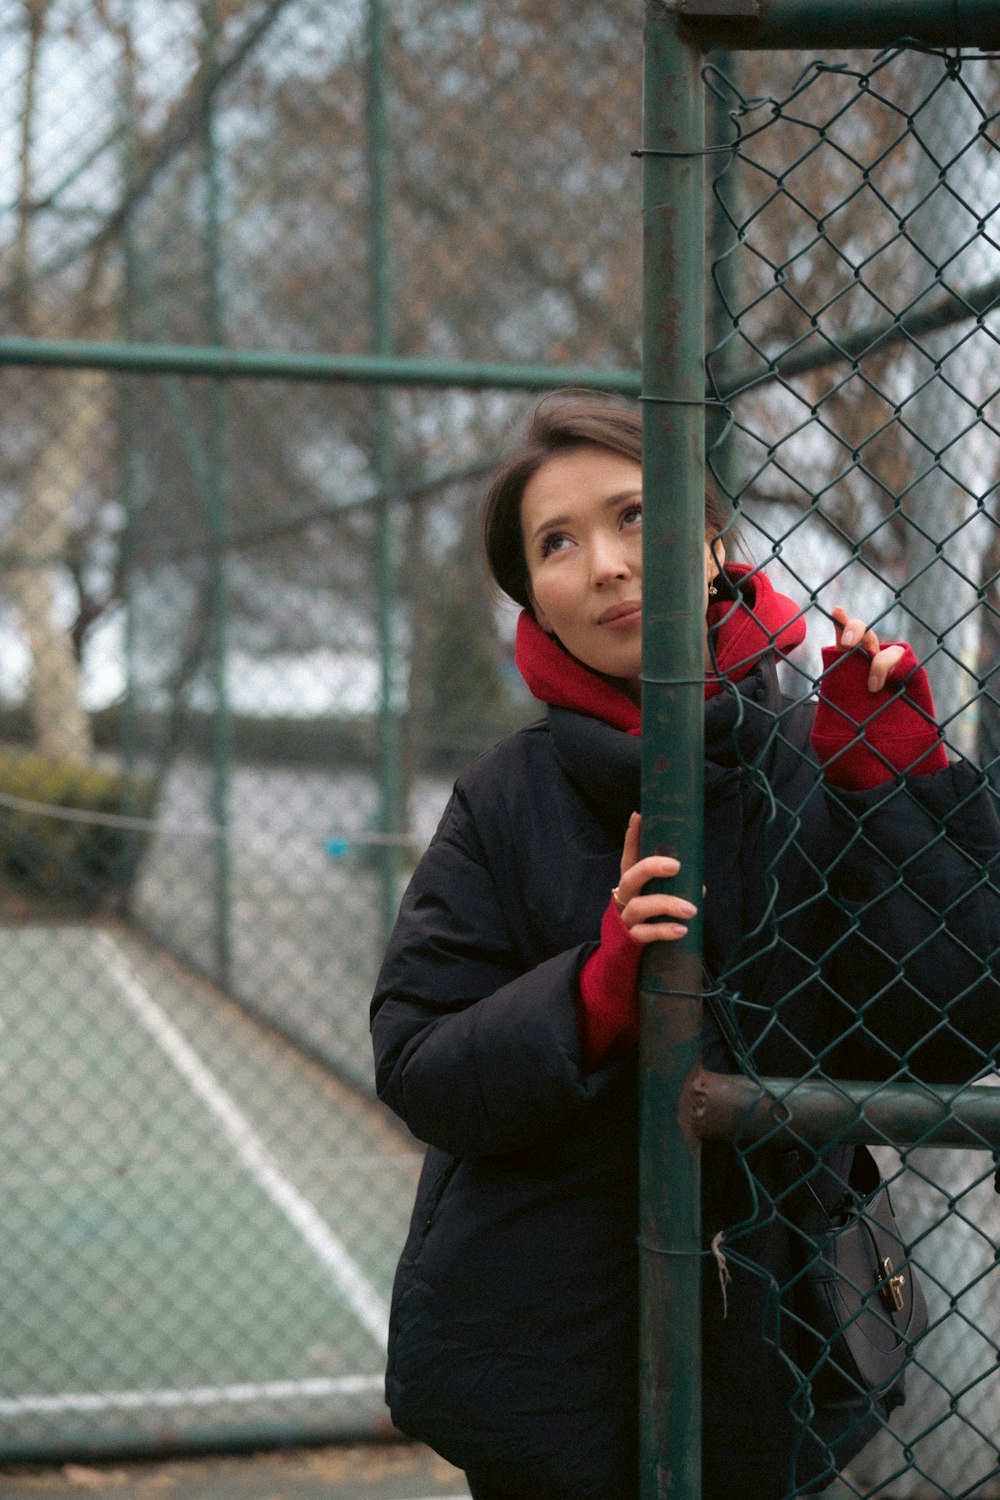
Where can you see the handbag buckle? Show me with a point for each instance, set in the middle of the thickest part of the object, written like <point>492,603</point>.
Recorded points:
<point>893,1286</point>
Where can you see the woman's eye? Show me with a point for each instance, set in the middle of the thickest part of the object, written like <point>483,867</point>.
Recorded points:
<point>632,515</point>
<point>553,543</point>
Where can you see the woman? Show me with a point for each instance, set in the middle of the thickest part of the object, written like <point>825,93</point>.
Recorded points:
<point>505,1022</point>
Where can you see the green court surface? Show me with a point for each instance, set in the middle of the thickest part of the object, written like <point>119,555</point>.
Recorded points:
<point>200,1223</point>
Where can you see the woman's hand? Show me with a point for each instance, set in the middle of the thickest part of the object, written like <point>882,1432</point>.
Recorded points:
<point>852,633</point>
<point>643,915</point>
<point>862,744</point>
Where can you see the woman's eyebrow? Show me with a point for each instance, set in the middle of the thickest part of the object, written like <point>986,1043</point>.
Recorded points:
<point>550,525</point>
<point>608,504</point>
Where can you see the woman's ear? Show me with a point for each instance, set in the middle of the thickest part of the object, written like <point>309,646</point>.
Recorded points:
<point>538,614</point>
<point>719,554</point>
<point>715,560</point>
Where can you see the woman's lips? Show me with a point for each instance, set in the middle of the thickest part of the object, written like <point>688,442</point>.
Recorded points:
<point>622,616</point>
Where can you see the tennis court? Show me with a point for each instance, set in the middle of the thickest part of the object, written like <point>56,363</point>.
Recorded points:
<point>195,1241</point>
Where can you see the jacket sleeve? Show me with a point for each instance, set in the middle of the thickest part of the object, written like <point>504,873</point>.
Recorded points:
<point>918,879</point>
<point>477,1046</point>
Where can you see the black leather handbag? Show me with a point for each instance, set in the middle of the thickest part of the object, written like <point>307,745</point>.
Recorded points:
<point>856,1304</point>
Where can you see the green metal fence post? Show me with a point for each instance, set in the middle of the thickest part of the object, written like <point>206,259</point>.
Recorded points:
<point>128,417</point>
<point>673,735</point>
<point>218,525</point>
<point>391,820</point>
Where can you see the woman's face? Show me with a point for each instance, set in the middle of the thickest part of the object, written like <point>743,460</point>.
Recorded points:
<point>581,520</point>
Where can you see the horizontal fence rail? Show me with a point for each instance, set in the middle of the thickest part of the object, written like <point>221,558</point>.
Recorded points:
<point>262,364</point>
<point>728,1107</point>
<point>761,25</point>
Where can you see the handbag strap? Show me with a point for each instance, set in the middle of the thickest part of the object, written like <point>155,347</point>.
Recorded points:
<point>799,1194</point>
<point>728,1026</point>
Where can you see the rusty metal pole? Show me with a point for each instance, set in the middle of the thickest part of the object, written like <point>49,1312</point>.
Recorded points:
<point>673,749</point>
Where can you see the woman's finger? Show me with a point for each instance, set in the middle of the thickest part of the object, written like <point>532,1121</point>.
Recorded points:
<point>657,918</point>
<point>628,896</point>
<point>658,932</point>
<point>841,622</point>
<point>850,632</point>
<point>653,867</point>
<point>853,632</point>
<point>633,907</point>
<point>653,908</point>
<point>882,664</point>
<point>630,849</point>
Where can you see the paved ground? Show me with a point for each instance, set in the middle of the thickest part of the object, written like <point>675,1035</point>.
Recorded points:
<point>388,1471</point>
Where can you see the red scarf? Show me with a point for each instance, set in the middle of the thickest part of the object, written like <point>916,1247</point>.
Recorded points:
<point>758,620</point>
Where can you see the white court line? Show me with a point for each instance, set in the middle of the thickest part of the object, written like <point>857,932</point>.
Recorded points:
<point>207,1395</point>
<point>360,1294</point>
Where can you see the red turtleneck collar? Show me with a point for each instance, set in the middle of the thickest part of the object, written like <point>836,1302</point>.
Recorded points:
<point>759,619</point>
<point>742,629</point>
<point>556,677</point>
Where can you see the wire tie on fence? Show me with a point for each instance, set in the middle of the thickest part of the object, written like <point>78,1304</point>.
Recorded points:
<point>672,1254</point>
<point>688,401</point>
<point>715,1250</point>
<point>725,1280</point>
<point>653,989</point>
<point>729,146</point>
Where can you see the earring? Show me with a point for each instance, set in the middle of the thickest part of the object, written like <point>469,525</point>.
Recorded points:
<point>712,589</point>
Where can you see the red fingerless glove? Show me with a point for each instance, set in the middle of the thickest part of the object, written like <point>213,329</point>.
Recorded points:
<point>864,739</point>
<point>609,1008</point>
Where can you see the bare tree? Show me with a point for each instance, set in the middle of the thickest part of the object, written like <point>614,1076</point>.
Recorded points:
<point>861,280</point>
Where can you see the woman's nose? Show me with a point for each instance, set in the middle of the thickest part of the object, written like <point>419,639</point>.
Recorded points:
<point>609,559</point>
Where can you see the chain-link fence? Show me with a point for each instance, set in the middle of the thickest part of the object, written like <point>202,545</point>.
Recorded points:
<point>246,645</point>
<point>244,619</point>
<point>853,390</point>
<point>861,279</point>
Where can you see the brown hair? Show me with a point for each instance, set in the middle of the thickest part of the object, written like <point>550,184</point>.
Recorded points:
<point>560,423</point>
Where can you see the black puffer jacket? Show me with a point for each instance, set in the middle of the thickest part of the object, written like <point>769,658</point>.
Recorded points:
<point>514,1322</point>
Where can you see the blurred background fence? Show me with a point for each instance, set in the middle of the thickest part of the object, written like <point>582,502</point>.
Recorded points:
<point>245,634</point>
